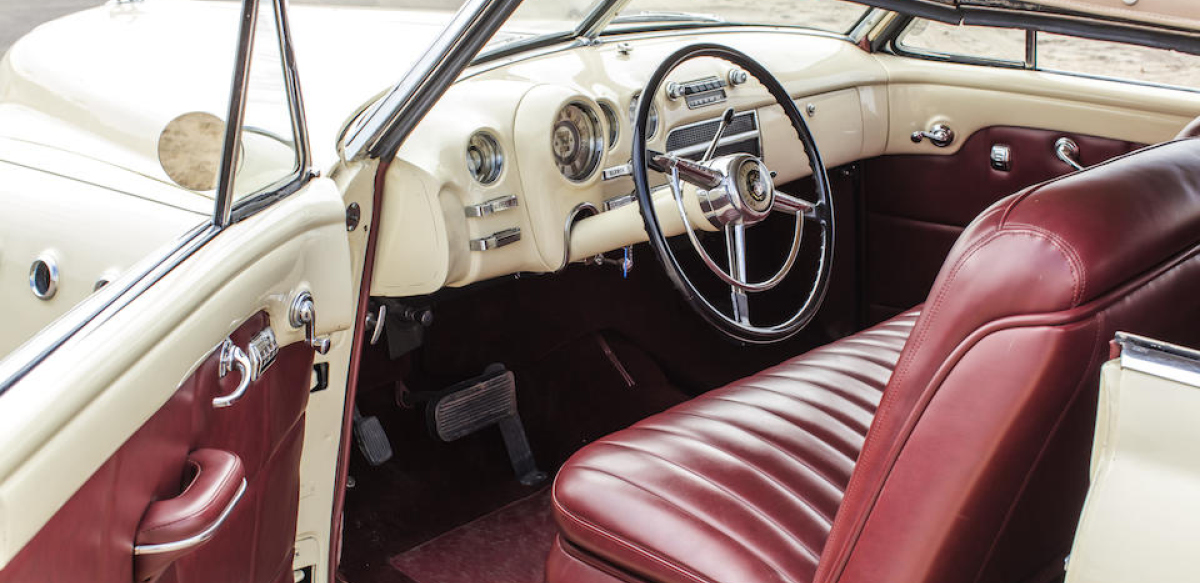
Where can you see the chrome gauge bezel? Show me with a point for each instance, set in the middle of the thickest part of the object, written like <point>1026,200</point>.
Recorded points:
<point>614,123</point>
<point>594,142</point>
<point>651,123</point>
<point>491,156</point>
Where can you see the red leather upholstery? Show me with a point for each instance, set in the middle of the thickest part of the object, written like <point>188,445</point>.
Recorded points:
<point>741,484</point>
<point>975,464</point>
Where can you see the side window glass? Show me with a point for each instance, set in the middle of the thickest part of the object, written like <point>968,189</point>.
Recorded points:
<point>970,43</point>
<point>1098,58</point>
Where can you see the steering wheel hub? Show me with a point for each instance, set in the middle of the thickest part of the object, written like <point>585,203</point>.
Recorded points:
<point>745,195</point>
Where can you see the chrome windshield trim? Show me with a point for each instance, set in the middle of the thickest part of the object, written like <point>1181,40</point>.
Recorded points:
<point>599,19</point>
<point>1160,359</point>
<point>384,126</point>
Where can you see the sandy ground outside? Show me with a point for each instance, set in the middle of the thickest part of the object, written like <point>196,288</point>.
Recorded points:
<point>18,17</point>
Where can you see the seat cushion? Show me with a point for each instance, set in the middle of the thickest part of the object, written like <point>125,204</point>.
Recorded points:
<point>739,484</point>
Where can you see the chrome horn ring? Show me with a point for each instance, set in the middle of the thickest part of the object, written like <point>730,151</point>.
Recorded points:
<point>734,200</point>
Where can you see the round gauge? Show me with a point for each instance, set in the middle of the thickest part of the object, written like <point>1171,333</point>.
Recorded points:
<point>577,141</point>
<point>652,123</point>
<point>614,124</point>
<point>484,159</point>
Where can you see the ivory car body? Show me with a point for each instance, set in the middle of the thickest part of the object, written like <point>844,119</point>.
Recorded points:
<point>334,292</point>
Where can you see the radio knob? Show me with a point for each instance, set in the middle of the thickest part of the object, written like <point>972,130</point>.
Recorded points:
<point>674,90</point>
<point>738,76</point>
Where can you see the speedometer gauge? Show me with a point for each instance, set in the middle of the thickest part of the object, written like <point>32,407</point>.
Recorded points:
<point>577,141</point>
<point>651,123</point>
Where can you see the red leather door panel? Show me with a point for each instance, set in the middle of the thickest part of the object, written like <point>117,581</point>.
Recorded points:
<point>916,206</point>
<point>91,537</point>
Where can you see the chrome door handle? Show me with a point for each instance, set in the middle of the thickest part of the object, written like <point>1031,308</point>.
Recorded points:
<point>939,135</point>
<point>233,357</point>
<point>1068,151</point>
<point>251,363</point>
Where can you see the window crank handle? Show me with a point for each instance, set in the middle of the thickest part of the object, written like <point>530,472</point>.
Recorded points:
<point>303,313</point>
<point>939,135</point>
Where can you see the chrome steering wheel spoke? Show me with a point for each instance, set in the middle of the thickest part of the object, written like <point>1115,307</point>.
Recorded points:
<point>793,205</point>
<point>735,248</point>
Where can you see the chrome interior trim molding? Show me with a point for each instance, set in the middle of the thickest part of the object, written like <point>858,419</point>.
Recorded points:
<point>1160,359</point>
<point>198,539</point>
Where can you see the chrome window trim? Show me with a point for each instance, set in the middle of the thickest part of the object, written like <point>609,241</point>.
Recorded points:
<point>226,210</point>
<point>1160,359</point>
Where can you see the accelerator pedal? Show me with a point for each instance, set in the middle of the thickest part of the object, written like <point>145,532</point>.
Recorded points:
<point>371,439</point>
<point>477,403</point>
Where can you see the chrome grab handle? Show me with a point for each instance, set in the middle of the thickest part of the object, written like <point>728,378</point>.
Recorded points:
<point>201,538</point>
<point>303,314</point>
<point>939,135</point>
<point>1068,151</point>
<point>233,357</point>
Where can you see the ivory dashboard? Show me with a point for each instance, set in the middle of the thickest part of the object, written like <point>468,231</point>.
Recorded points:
<point>524,164</point>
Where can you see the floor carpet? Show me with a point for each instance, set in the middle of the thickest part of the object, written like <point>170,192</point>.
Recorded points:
<point>507,546</point>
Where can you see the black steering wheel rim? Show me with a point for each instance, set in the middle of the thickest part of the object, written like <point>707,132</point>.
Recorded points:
<point>743,332</point>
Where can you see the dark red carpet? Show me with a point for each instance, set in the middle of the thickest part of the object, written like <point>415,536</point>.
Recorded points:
<point>507,546</point>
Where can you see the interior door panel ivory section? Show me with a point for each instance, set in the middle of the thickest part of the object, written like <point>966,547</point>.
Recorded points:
<point>104,427</point>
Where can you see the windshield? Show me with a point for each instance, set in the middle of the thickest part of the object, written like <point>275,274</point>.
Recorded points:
<point>828,15</point>
<point>551,18</point>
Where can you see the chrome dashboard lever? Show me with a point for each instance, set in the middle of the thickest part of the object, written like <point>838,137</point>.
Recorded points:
<point>726,119</point>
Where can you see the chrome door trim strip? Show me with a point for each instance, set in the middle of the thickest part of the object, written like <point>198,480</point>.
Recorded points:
<point>200,538</point>
<point>1160,359</point>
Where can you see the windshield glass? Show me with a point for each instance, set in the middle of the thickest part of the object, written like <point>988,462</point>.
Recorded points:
<point>828,15</point>
<point>541,18</point>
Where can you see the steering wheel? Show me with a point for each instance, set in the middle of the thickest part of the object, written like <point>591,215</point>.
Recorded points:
<point>733,193</point>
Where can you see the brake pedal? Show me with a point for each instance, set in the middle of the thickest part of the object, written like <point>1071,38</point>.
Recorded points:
<point>372,440</point>
<point>477,403</point>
